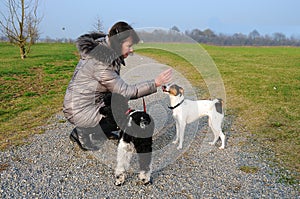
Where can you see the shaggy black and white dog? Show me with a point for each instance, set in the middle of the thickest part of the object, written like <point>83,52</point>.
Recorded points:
<point>137,128</point>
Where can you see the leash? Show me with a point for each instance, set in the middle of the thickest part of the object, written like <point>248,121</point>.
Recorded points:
<point>128,112</point>
<point>144,105</point>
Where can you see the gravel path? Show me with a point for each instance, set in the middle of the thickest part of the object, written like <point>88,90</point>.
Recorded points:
<point>53,167</point>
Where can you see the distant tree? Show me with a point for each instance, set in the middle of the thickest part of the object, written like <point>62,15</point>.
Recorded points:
<point>98,26</point>
<point>254,34</point>
<point>20,24</point>
<point>175,28</point>
<point>279,36</point>
<point>208,33</point>
<point>295,40</point>
<point>195,34</point>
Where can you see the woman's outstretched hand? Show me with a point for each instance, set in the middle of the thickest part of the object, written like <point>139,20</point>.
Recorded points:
<point>163,78</point>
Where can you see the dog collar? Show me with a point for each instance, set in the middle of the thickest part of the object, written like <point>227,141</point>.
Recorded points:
<point>173,107</point>
<point>128,111</point>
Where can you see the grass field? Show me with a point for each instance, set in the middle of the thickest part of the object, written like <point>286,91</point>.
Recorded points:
<point>262,88</point>
<point>32,89</point>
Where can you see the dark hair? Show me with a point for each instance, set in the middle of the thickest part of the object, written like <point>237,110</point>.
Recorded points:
<point>119,32</point>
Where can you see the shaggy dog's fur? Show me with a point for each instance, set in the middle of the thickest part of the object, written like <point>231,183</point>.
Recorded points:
<point>137,128</point>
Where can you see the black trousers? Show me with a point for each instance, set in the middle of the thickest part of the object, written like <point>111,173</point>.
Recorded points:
<point>92,138</point>
<point>105,126</point>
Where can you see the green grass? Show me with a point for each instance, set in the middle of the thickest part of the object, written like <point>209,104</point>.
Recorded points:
<point>262,90</point>
<point>263,85</point>
<point>32,89</point>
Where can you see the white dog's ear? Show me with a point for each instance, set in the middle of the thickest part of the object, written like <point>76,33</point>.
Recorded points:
<point>181,91</point>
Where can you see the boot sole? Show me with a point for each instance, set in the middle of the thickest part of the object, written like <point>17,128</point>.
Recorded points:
<point>74,139</point>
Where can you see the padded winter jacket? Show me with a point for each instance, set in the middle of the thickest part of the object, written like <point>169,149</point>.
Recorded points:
<point>96,74</point>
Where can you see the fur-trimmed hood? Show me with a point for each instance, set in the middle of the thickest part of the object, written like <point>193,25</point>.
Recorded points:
<point>95,45</point>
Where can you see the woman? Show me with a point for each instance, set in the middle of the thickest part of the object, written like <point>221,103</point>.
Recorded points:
<point>97,75</point>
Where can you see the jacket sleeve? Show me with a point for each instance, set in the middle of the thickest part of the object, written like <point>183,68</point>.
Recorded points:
<point>114,83</point>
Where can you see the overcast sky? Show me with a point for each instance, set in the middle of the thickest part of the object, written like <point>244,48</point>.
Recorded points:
<point>71,18</point>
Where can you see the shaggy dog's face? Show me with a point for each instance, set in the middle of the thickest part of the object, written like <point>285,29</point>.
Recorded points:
<point>140,125</point>
<point>136,123</point>
<point>141,118</point>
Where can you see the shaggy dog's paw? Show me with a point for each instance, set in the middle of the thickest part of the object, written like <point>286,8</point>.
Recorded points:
<point>146,181</point>
<point>221,147</point>
<point>179,147</point>
<point>120,179</point>
<point>175,142</point>
<point>145,178</point>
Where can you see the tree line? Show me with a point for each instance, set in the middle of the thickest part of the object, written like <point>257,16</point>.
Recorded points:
<point>20,26</point>
<point>254,38</point>
<point>207,36</point>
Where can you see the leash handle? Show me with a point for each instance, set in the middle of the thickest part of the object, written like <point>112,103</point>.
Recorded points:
<point>144,105</point>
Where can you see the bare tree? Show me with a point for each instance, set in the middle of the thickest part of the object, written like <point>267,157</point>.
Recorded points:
<point>254,34</point>
<point>98,26</point>
<point>20,25</point>
<point>208,33</point>
<point>175,28</point>
<point>279,36</point>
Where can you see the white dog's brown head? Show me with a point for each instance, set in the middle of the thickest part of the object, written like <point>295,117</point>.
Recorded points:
<point>173,89</point>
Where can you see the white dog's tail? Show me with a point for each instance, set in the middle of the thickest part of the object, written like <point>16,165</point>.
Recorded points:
<point>219,105</point>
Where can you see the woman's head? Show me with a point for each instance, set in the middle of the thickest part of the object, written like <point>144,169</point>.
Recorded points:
<point>122,36</point>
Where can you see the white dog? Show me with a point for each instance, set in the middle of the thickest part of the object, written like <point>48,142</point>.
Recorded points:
<point>186,111</point>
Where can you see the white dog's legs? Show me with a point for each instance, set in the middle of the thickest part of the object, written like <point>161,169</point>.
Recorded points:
<point>216,137</point>
<point>177,132</point>
<point>181,135</point>
<point>123,161</point>
<point>222,136</point>
<point>217,130</point>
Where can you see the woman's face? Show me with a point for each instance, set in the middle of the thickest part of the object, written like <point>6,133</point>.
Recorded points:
<point>127,47</point>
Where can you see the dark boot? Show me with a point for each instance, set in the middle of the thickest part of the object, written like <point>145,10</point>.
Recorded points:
<point>85,139</point>
<point>110,129</point>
